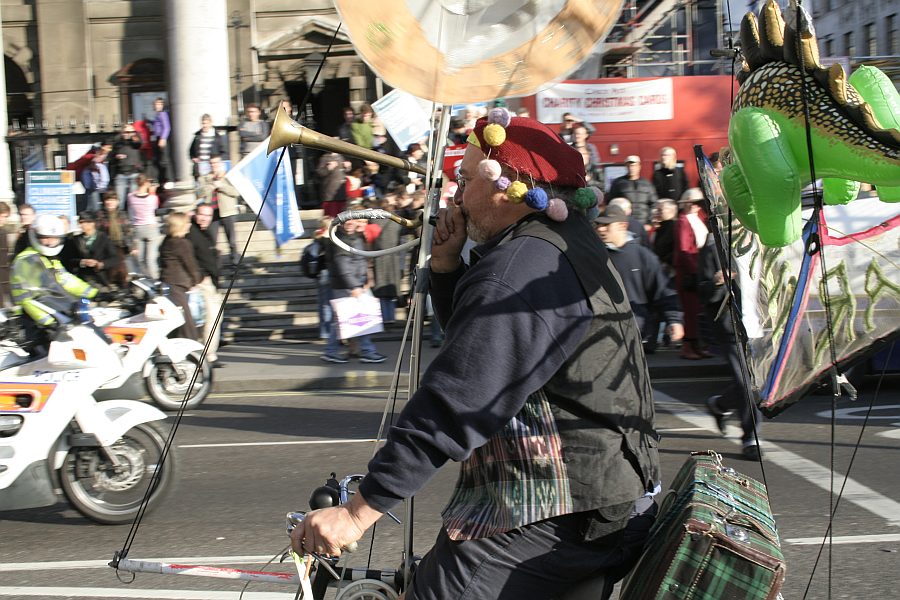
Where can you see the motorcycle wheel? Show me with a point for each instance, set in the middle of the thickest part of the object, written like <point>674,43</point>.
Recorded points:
<point>167,383</point>
<point>102,494</point>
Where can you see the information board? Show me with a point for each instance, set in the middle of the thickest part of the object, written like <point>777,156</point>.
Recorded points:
<point>51,192</point>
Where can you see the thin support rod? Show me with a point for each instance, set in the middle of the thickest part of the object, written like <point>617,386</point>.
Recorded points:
<point>421,291</point>
<point>163,568</point>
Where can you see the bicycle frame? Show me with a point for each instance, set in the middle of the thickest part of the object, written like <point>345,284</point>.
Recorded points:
<point>314,573</point>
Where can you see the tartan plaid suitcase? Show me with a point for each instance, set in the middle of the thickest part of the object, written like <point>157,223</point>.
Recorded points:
<point>715,539</point>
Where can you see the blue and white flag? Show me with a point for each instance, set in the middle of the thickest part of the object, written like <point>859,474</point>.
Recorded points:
<point>251,177</point>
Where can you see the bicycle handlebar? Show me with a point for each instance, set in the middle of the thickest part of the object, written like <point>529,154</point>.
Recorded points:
<point>295,518</point>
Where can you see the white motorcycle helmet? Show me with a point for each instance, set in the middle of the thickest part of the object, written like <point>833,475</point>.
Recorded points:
<point>47,226</point>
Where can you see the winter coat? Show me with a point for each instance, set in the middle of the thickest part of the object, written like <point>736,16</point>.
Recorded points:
<point>177,265</point>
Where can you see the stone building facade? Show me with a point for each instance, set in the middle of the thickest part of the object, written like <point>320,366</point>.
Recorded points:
<point>77,68</point>
<point>855,31</point>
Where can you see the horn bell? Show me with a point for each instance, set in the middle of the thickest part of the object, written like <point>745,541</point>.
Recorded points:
<point>286,131</point>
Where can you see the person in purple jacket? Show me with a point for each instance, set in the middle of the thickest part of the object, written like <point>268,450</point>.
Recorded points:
<point>160,131</point>
<point>540,391</point>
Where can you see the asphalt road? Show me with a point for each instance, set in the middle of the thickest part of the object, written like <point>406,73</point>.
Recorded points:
<point>245,460</point>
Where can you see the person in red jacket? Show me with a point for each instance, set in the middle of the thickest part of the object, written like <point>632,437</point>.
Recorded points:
<point>690,236</point>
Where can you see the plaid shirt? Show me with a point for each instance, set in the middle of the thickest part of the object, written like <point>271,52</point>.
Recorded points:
<point>522,465</point>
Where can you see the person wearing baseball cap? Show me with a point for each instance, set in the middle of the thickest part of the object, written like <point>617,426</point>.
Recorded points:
<point>646,282</point>
<point>638,190</point>
<point>540,390</point>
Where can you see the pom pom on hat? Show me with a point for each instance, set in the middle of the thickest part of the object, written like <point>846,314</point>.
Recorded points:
<point>502,183</point>
<point>585,198</point>
<point>557,210</point>
<point>516,191</point>
<point>489,169</point>
<point>500,116</point>
<point>537,198</point>
<point>598,193</point>
<point>494,135</point>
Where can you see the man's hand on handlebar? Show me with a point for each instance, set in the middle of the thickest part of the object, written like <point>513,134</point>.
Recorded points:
<point>329,531</point>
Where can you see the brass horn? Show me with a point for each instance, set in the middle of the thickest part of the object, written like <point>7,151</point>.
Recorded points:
<point>286,131</point>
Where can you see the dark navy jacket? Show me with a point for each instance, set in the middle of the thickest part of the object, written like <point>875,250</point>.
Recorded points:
<point>646,283</point>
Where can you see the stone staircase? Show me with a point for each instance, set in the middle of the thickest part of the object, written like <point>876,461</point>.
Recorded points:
<point>271,299</point>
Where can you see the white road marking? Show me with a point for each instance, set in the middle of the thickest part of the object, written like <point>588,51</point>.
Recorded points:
<point>657,380</point>
<point>854,492</point>
<point>859,412</point>
<point>66,565</point>
<point>677,429</point>
<point>846,539</point>
<point>286,443</point>
<point>365,392</point>
<point>266,356</point>
<point>125,592</point>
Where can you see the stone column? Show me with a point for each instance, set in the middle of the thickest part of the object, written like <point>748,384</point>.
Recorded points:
<point>6,191</point>
<point>199,71</point>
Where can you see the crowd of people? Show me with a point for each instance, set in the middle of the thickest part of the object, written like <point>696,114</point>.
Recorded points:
<point>120,229</point>
<point>142,148</point>
<point>663,212</point>
<point>126,224</point>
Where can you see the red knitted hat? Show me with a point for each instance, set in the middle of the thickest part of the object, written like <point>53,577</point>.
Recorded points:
<point>534,150</point>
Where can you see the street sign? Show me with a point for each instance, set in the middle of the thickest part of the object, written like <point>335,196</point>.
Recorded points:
<point>50,177</point>
<point>51,192</point>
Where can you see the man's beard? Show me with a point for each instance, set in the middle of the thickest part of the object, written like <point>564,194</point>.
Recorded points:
<point>476,233</point>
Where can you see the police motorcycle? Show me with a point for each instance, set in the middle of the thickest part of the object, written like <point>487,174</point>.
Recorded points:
<point>163,367</point>
<point>57,441</point>
<point>138,328</point>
